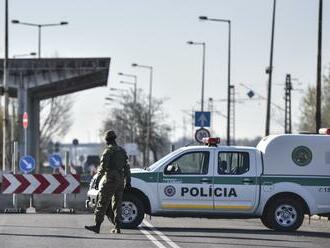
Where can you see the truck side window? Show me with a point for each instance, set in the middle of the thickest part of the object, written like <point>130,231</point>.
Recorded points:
<point>233,163</point>
<point>196,163</point>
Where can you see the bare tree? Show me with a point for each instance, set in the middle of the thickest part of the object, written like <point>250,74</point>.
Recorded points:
<point>130,120</point>
<point>55,118</point>
<point>307,119</point>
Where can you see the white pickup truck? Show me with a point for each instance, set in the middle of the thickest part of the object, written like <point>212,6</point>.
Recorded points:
<point>282,179</point>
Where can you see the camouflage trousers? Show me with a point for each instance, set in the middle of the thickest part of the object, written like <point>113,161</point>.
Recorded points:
<point>109,199</point>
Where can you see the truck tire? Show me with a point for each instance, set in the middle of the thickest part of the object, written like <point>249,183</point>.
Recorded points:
<point>284,214</point>
<point>265,222</point>
<point>132,211</point>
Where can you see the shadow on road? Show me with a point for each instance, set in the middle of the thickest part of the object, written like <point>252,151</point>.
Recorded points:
<point>117,237</point>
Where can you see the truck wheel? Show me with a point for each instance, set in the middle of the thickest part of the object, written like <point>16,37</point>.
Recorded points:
<point>132,211</point>
<point>284,214</point>
<point>265,222</point>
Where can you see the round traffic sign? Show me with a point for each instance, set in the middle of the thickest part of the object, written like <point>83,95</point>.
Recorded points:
<point>75,142</point>
<point>55,161</point>
<point>200,134</point>
<point>25,120</point>
<point>27,164</point>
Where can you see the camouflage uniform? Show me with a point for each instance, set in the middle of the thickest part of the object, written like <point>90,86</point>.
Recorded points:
<point>115,168</point>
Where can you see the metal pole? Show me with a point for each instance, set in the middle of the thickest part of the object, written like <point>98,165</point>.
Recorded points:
<point>14,171</point>
<point>67,155</point>
<point>229,83</point>
<point>270,73</point>
<point>287,118</point>
<point>39,41</point>
<point>5,96</point>
<point>135,88</point>
<point>318,114</point>
<point>149,118</point>
<point>134,124</point>
<point>203,78</point>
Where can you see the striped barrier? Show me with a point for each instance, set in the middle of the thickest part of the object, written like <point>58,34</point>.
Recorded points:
<point>40,184</point>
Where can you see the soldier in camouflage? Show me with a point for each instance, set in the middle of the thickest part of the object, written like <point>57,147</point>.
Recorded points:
<point>116,170</point>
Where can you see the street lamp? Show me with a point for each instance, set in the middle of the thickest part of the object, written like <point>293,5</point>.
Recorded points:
<point>205,18</point>
<point>24,55</point>
<point>134,83</point>
<point>203,69</point>
<point>134,105</point>
<point>150,68</point>
<point>39,26</point>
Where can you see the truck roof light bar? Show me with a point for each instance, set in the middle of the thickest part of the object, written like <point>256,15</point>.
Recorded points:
<point>325,131</point>
<point>211,141</point>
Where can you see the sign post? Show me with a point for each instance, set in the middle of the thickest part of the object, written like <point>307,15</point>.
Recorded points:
<point>65,208</point>
<point>27,163</point>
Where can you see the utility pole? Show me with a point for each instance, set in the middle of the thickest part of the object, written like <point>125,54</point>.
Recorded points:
<point>287,97</point>
<point>318,116</point>
<point>270,73</point>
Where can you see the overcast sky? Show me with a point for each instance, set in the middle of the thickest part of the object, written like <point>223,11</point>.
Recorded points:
<point>154,32</point>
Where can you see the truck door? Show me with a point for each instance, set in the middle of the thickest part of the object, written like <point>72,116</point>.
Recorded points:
<point>235,182</point>
<point>186,182</point>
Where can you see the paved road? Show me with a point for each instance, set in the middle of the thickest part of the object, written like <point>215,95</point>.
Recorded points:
<point>51,230</point>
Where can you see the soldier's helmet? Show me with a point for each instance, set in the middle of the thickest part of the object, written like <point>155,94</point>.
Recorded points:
<point>110,135</point>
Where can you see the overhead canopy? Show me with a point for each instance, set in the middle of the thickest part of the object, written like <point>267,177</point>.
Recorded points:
<point>51,77</point>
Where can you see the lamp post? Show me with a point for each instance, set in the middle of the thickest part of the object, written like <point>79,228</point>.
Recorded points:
<point>39,26</point>
<point>203,69</point>
<point>150,68</point>
<point>134,83</point>
<point>134,106</point>
<point>205,18</point>
<point>24,55</point>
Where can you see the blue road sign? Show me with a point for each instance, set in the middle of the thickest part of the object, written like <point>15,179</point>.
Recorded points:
<point>202,119</point>
<point>55,161</point>
<point>27,164</point>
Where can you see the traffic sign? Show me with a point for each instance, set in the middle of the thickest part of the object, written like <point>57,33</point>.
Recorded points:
<point>250,94</point>
<point>27,164</point>
<point>200,134</point>
<point>202,119</point>
<point>25,120</point>
<point>40,184</point>
<point>75,142</point>
<point>55,161</point>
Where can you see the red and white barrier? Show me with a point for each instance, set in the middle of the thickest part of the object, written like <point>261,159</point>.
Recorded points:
<point>40,184</point>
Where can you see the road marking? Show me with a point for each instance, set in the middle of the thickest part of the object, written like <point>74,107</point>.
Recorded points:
<point>161,235</point>
<point>151,238</point>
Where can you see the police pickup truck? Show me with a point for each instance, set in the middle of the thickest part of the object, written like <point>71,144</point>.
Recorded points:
<point>282,179</point>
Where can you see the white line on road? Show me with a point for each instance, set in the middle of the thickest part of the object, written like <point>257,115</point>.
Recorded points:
<point>152,238</point>
<point>161,235</point>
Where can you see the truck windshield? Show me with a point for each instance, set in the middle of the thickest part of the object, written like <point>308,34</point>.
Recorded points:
<point>162,160</point>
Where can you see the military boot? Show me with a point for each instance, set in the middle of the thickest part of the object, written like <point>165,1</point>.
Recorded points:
<point>95,228</point>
